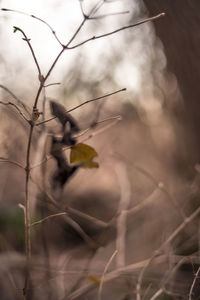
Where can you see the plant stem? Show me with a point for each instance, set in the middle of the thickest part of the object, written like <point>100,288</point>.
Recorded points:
<point>27,212</point>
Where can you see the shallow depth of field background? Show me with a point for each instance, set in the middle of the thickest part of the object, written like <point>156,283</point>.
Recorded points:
<point>153,148</point>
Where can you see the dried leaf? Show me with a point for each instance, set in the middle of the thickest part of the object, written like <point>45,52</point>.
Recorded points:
<point>82,153</point>
<point>94,279</point>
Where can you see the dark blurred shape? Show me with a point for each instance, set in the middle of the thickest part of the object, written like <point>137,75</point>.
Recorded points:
<point>64,170</point>
<point>179,32</point>
<point>63,116</point>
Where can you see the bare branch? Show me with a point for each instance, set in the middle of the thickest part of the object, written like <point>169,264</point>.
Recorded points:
<point>117,30</point>
<point>95,99</point>
<point>17,108</point>
<point>193,283</point>
<point>172,236</point>
<point>47,218</point>
<point>6,160</point>
<point>159,185</point>
<point>36,18</point>
<point>158,293</point>
<point>81,7</point>
<point>104,273</point>
<point>15,97</point>
<point>130,269</point>
<point>96,8</point>
<point>110,15</point>
<point>86,102</point>
<point>70,221</point>
<point>50,84</point>
<point>121,223</point>
<point>26,39</point>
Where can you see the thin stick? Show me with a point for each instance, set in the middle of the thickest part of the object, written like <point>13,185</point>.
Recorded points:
<point>117,273</point>
<point>95,99</point>
<point>162,247</point>
<point>85,102</point>
<point>166,280</point>
<point>110,15</point>
<point>3,159</point>
<point>46,77</point>
<point>117,30</point>
<point>104,273</point>
<point>158,293</point>
<point>47,218</point>
<point>35,17</point>
<point>27,212</point>
<point>15,97</point>
<point>96,8</point>
<point>125,191</point>
<point>17,108</point>
<point>73,211</point>
<point>51,84</point>
<point>30,47</point>
<point>157,184</point>
<point>193,283</point>
<point>71,222</point>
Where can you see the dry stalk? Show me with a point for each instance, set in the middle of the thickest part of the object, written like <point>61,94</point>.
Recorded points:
<point>193,283</point>
<point>124,202</point>
<point>156,253</point>
<point>104,273</point>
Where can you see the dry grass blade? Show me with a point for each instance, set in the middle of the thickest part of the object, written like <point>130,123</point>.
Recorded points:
<point>104,273</point>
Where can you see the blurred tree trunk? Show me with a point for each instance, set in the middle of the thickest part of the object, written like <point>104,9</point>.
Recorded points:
<point>179,32</point>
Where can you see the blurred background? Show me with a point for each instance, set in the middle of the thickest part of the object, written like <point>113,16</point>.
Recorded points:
<point>151,155</point>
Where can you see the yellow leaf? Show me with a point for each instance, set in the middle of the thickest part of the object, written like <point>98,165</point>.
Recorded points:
<point>82,153</point>
<point>94,279</point>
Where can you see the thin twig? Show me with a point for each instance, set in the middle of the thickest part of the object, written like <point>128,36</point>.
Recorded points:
<point>117,273</point>
<point>27,213</point>
<point>31,49</point>
<point>110,15</point>
<point>84,103</point>
<point>166,280</point>
<point>143,203</point>
<point>125,191</point>
<point>3,159</point>
<point>64,47</point>
<point>17,108</point>
<point>172,236</point>
<point>104,273</point>
<point>117,30</point>
<point>71,222</point>
<point>158,293</point>
<point>51,84</point>
<point>36,18</point>
<point>159,185</point>
<point>81,7</point>
<point>103,129</point>
<point>95,99</point>
<point>96,8</point>
<point>16,98</point>
<point>193,283</point>
<point>47,218</point>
